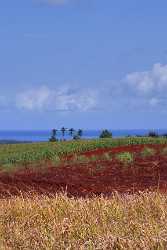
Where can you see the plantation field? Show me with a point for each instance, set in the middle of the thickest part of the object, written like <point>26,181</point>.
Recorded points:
<point>20,154</point>
<point>126,169</point>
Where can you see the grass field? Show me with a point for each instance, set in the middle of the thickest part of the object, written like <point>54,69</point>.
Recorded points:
<point>123,223</point>
<point>108,203</point>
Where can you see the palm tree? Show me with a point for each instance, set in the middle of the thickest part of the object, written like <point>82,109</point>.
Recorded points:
<point>54,132</point>
<point>71,131</point>
<point>63,132</point>
<point>53,136</point>
<point>80,132</point>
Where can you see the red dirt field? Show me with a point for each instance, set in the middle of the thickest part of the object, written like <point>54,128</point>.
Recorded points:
<point>93,177</point>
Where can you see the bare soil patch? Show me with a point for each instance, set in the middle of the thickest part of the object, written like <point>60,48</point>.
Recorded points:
<point>101,176</point>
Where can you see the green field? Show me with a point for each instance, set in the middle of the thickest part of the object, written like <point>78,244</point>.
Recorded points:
<point>28,153</point>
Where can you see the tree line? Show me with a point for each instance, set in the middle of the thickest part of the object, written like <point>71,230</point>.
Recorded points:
<point>75,134</point>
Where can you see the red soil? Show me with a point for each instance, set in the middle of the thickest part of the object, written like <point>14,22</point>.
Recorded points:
<point>92,178</point>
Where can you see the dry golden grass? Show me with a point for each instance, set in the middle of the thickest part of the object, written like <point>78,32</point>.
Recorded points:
<point>40,222</point>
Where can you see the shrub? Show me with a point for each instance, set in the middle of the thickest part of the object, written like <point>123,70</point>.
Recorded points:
<point>125,157</point>
<point>164,151</point>
<point>106,134</point>
<point>53,139</point>
<point>94,158</point>
<point>56,160</point>
<point>147,152</point>
<point>106,156</point>
<point>76,137</point>
<point>82,159</point>
<point>99,167</point>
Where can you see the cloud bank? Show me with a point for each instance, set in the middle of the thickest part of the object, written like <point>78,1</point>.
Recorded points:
<point>57,99</point>
<point>137,91</point>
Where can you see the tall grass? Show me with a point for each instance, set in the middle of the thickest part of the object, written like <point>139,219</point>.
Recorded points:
<point>129,222</point>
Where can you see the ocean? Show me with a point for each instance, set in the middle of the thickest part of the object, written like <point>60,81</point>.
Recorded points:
<point>43,136</point>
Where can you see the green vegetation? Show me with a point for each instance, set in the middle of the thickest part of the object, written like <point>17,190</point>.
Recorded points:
<point>53,136</point>
<point>75,135</point>
<point>106,134</point>
<point>71,131</point>
<point>56,160</point>
<point>153,134</point>
<point>125,157</point>
<point>28,153</point>
<point>146,152</point>
<point>81,159</point>
<point>78,135</point>
<point>94,157</point>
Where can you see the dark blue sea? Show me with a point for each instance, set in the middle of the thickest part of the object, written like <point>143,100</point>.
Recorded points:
<point>39,136</point>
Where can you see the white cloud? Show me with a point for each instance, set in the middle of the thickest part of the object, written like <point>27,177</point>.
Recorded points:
<point>62,99</point>
<point>137,91</point>
<point>33,98</point>
<point>149,82</point>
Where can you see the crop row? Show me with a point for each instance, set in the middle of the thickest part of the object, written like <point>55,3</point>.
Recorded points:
<point>27,153</point>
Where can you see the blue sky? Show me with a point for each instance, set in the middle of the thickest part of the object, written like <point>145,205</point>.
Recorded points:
<point>83,63</point>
